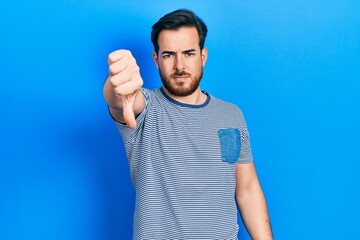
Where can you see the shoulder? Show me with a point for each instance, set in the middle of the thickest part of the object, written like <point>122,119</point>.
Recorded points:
<point>152,94</point>
<point>226,107</point>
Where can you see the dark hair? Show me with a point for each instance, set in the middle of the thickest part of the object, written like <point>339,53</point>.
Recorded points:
<point>175,20</point>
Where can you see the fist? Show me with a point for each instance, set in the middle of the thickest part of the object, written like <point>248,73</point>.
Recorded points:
<point>126,82</point>
<point>124,73</point>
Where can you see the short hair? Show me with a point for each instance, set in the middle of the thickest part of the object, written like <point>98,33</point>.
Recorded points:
<point>175,20</point>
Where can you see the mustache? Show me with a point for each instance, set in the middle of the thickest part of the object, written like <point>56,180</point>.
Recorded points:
<point>180,74</point>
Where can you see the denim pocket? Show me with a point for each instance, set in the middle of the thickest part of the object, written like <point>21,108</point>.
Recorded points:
<point>230,143</point>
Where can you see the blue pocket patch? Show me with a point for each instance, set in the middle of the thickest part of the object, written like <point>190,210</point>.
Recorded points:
<point>230,142</point>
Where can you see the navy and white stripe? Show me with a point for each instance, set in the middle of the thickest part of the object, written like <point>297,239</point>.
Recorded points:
<point>184,189</point>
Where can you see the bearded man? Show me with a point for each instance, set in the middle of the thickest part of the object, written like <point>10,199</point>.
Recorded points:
<point>189,153</point>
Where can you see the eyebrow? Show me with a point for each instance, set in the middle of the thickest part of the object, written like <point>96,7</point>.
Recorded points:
<point>172,52</point>
<point>189,51</point>
<point>167,52</point>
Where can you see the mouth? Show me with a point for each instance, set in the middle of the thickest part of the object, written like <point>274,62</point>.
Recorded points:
<point>181,79</point>
<point>181,76</point>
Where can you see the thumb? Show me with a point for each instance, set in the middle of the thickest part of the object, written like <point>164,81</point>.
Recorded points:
<point>128,112</point>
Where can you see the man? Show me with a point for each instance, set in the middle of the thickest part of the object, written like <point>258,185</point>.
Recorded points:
<point>189,152</point>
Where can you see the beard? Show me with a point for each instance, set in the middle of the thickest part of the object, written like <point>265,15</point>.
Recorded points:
<point>180,89</point>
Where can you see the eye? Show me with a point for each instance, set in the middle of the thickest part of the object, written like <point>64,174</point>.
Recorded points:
<point>189,54</point>
<point>167,55</point>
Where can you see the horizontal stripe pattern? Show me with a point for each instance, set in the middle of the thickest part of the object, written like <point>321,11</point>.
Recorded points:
<point>184,190</point>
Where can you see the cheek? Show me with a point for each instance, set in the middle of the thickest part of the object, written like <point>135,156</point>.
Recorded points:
<point>165,67</point>
<point>197,66</point>
<point>198,63</point>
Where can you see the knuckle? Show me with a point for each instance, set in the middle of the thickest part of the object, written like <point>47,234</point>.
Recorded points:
<point>131,61</point>
<point>111,57</point>
<point>118,93</point>
<point>112,70</point>
<point>112,82</point>
<point>138,83</point>
<point>137,68</point>
<point>127,52</point>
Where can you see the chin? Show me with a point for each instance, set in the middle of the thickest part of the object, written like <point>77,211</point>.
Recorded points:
<point>182,91</point>
<point>180,88</point>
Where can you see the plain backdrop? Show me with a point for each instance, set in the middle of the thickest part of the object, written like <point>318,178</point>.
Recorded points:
<point>293,67</point>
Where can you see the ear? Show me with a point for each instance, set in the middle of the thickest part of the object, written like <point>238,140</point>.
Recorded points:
<point>155,57</point>
<point>204,55</point>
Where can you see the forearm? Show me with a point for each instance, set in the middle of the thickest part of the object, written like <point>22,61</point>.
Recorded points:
<point>254,212</point>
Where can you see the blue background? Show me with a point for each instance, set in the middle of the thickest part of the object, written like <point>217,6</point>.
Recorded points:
<point>293,67</point>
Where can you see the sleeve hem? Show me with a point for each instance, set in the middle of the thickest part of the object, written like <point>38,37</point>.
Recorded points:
<point>245,161</point>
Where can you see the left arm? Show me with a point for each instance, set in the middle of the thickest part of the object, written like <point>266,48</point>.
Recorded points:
<point>251,202</point>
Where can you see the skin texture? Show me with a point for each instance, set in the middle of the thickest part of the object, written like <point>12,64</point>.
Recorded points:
<point>180,63</point>
<point>251,202</point>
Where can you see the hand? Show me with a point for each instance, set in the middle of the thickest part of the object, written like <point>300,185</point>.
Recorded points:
<point>126,82</point>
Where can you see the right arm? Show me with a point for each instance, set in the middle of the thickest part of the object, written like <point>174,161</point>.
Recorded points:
<point>122,89</point>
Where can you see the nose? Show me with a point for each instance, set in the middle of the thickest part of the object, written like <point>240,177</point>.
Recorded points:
<point>179,63</point>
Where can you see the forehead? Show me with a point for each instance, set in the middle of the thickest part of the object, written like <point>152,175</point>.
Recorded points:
<point>182,38</point>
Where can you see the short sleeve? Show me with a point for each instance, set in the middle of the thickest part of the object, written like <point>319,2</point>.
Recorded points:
<point>129,134</point>
<point>245,150</point>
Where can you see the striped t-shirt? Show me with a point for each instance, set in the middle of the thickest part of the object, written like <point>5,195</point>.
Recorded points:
<point>182,162</point>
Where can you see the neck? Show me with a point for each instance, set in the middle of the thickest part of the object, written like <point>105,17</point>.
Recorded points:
<point>196,98</point>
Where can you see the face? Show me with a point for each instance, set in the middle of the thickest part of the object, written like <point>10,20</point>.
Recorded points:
<point>180,61</point>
